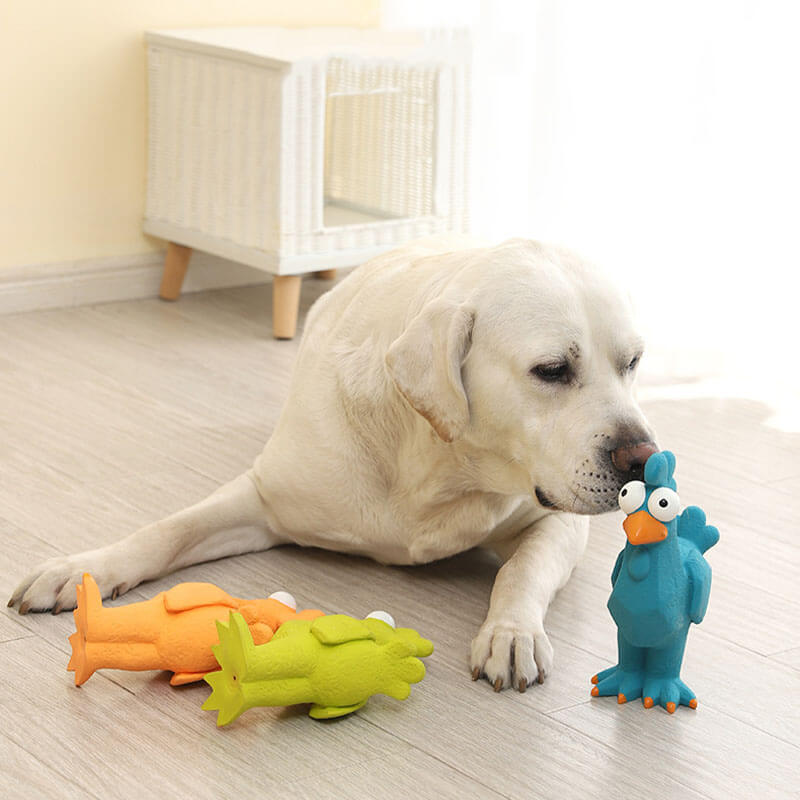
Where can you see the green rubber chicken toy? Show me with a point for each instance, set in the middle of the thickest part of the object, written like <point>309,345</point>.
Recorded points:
<point>335,662</point>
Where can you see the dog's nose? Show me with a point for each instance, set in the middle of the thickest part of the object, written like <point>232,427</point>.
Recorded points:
<point>630,458</point>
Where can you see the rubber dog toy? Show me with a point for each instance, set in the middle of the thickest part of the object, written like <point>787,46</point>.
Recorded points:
<point>173,631</point>
<point>661,584</point>
<point>335,662</point>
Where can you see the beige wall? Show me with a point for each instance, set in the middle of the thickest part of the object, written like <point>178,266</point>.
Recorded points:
<point>73,114</point>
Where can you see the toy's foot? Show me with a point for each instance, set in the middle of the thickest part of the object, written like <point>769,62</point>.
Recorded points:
<point>668,693</point>
<point>615,681</point>
<point>78,662</point>
<point>602,675</point>
<point>227,696</point>
<point>331,712</point>
<point>89,602</point>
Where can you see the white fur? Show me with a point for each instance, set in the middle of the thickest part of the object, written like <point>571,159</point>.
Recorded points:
<point>415,430</point>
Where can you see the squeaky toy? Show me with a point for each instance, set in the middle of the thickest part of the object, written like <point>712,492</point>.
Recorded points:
<point>335,662</point>
<point>173,631</point>
<point>661,585</point>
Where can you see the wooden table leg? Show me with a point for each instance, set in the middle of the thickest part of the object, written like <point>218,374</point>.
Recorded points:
<point>285,305</point>
<point>175,265</point>
<point>325,274</point>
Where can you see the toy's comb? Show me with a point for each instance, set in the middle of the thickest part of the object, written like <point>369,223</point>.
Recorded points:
<point>659,469</point>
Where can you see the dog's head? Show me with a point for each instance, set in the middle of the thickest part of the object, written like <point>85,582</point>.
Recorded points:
<point>526,363</point>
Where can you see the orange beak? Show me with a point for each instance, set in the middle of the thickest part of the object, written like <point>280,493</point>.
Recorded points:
<point>641,528</point>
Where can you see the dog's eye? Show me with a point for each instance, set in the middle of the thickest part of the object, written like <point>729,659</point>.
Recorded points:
<point>634,363</point>
<point>557,372</point>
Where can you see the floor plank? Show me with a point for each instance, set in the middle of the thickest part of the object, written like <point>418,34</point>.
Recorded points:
<point>702,750</point>
<point>24,776</point>
<point>789,657</point>
<point>412,773</point>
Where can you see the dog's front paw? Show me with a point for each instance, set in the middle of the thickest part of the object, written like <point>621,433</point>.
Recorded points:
<point>52,584</point>
<point>510,654</point>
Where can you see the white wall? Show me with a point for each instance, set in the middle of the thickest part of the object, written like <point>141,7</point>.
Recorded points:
<point>662,139</point>
<point>73,106</point>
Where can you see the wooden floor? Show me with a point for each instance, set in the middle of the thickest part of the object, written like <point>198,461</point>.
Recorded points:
<point>115,415</point>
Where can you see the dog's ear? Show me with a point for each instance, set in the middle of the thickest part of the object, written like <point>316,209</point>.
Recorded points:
<point>425,364</point>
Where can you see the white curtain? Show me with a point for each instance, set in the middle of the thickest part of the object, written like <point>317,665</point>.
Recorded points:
<point>659,139</point>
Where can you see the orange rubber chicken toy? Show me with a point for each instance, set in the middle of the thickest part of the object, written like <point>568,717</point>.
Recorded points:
<point>174,631</point>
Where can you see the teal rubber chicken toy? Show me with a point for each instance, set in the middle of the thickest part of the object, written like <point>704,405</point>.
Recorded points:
<point>335,662</point>
<point>661,584</point>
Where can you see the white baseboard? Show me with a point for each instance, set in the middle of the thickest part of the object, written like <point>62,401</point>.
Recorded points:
<point>104,280</point>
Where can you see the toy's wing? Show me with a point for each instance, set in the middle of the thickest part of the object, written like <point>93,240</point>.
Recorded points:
<point>338,628</point>
<point>271,613</point>
<point>692,527</point>
<point>186,596</point>
<point>699,573</point>
<point>617,567</point>
<point>292,628</point>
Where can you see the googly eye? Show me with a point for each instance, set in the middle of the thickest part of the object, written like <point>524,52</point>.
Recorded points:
<point>383,616</point>
<point>631,496</point>
<point>285,598</point>
<point>664,504</point>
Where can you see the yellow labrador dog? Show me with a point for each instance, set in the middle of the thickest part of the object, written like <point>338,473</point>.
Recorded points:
<point>441,400</point>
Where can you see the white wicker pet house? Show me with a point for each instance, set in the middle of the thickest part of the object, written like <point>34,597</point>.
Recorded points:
<point>303,150</point>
